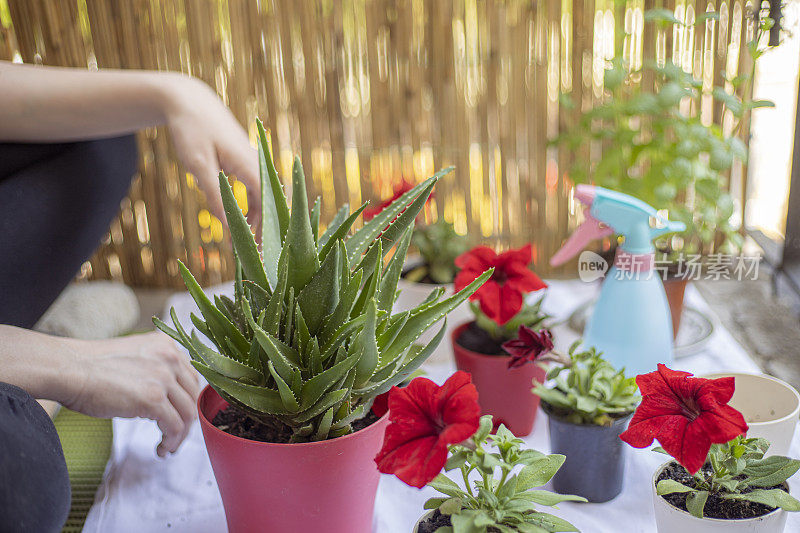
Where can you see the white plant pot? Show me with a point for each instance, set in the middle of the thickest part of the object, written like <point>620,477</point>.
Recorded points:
<point>771,408</point>
<point>412,295</point>
<point>670,519</point>
<point>421,520</point>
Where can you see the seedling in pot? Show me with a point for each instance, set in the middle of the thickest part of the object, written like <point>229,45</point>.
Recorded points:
<point>494,494</point>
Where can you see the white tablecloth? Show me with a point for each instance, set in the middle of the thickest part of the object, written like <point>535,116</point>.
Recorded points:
<point>142,493</point>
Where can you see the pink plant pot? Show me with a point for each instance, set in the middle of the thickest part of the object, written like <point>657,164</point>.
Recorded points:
<point>504,393</point>
<point>318,486</point>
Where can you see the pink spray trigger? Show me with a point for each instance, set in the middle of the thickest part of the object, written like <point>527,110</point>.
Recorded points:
<point>589,230</point>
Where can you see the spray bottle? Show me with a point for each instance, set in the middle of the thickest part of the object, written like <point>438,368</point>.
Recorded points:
<point>631,322</point>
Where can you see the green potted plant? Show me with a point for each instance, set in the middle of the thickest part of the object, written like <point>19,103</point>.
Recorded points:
<point>655,150</point>
<point>500,310</point>
<point>588,405</point>
<point>719,479</point>
<point>437,247</point>
<point>495,494</point>
<point>301,352</point>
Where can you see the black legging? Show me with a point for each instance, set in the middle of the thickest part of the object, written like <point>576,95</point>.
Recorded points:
<point>56,203</point>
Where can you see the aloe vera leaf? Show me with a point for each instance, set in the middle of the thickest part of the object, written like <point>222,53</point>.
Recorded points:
<point>324,425</point>
<point>274,208</point>
<point>220,326</point>
<point>315,219</point>
<point>356,414</point>
<point>406,218</point>
<point>226,366</point>
<point>319,297</point>
<point>272,317</point>
<point>341,231</point>
<point>396,323</point>
<point>329,400</point>
<point>314,388</point>
<point>371,230</point>
<point>287,396</point>
<point>283,364</point>
<point>303,259</point>
<point>391,276</point>
<point>340,216</point>
<point>243,240</point>
<point>419,322</point>
<point>342,312</point>
<point>368,346</point>
<point>373,269</point>
<point>302,335</point>
<point>341,334</point>
<point>314,356</point>
<point>261,399</point>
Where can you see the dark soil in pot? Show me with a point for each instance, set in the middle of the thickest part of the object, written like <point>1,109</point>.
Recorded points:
<point>475,339</point>
<point>236,422</point>
<point>437,520</point>
<point>716,507</point>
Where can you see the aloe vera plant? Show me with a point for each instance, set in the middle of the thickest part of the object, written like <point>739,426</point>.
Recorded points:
<point>309,339</point>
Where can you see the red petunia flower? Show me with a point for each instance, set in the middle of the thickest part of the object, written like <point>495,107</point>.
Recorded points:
<point>529,346</point>
<point>423,420</point>
<point>686,414</point>
<point>501,297</point>
<point>399,190</point>
<point>380,405</point>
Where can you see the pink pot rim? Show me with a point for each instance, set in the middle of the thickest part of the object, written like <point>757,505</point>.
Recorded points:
<point>207,425</point>
<point>457,333</point>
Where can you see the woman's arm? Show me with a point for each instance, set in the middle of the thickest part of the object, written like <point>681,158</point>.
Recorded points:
<point>53,104</point>
<point>139,375</point>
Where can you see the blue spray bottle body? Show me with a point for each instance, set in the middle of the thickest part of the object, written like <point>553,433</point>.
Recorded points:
<point>631,321</point>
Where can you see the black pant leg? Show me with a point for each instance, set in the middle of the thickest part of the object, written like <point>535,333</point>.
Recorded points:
<point>56,203</point>
<point>34,483</point>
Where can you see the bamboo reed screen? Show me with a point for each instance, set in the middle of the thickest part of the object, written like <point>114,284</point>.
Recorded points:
<point>369,92</point>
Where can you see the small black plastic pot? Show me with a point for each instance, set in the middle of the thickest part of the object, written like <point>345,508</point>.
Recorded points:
<point>595,464</point>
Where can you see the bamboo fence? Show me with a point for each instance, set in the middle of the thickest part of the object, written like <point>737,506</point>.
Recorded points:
<point>369,93</point>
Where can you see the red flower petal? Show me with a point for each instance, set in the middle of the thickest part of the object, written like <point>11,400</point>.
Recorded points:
<point>520,255</point>
<point>686,414</point>
<point>424,420</point>
<point>510,303</point>
<point>479,259</point>
<point>523,279</point>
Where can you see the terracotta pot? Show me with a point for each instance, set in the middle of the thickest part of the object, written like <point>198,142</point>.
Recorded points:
<point>582,473</point>
<point>412,295</point>
<point>675,288</point>
<point>770,407</point>
<point>318,486</point>
<point>502,392</point>
<point>670,519</point>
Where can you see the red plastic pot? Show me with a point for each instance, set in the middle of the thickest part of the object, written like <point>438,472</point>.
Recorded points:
<point>503,393</point>
<point>318,486</point>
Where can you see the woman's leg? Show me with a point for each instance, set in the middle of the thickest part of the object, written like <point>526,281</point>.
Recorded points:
<point>34,484</point>
<point>56,203</point>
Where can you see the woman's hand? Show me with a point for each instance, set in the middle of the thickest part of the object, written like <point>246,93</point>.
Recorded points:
<point>137,376</point>
<point>207,138</point>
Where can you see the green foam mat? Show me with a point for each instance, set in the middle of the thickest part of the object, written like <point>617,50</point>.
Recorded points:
<point>87,446</point>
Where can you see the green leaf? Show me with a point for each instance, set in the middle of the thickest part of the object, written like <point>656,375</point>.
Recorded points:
<point>287,396</point>
<point>770,497</point>
<point>226,366</point>
<point>243,241</point>
<point>303,260</point>
<point>770,471</point>
<point>277,356</point>
<point>342,312</point>
<point>670,486</point>
<point>368,345</point>
<point>340,216</point>
<point>315,387</point>
<point>329,400</point>
<point>550,522</point>
<point>366,235</point>
<point>274,310</point>
<point>539,472</point>
<point>324,425</point>
<point>220,326</point>
<point>274,209</point>
<point>545,497</point>
<point>260,399</point>
<point>696,502</point>
<point>445,485</point>
<point>340,233</point>
<point>388,288</point>
<point>315,219</point>
<point>320,296</point>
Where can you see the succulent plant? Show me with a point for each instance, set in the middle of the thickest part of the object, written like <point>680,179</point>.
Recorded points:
<point>309,340</point>
<point>588,389</point>
<point>438,244</point>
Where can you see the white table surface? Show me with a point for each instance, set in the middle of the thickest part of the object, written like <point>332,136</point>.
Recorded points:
<point>142,493</point>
